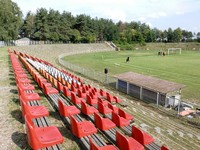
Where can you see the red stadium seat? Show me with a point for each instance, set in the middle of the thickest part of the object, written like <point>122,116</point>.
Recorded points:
<point>75,100</point>
<point>87,110</point>
<point>83,128</point>
<point>103,109</point>
<point>127,116</point>
<point>93,146</point>
<point>142,137</point>
<point>103,123</point>
<point>114,108</point>
<point>67,111</point>
<point>91,101</point>
<point>164,148</point>
<point>49,90</point>
<point>34,111</point>
<point>127,143</point>
<point>119,121</point>
<point>41,137</point>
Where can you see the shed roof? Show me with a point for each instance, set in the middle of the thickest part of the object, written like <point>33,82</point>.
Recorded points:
<point>150,82</point>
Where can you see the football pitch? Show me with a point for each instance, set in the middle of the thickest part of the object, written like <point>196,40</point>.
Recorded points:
<point>178,68</point>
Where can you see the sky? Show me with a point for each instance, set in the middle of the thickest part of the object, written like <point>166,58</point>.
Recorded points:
<point>160,14</point>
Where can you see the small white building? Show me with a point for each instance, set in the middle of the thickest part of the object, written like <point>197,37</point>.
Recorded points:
<point>22,42</point>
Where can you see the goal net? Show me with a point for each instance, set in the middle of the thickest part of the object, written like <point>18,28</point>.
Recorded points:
<point>174,51</point>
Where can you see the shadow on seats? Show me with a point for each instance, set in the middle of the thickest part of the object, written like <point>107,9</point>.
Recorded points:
<point>17,114</point>
<point>20,140</point>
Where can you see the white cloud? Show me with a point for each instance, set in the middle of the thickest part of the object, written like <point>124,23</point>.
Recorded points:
<point>115,15</point>
<point>157,15</point>
<point>142,19</point>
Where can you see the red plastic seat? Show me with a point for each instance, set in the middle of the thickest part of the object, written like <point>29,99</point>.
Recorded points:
<point>142,137</point>
<point>81,129</point>
<point>23,80</point>
<point>90,100</point>
<point>60,86</point>
<point>49,90</point>
<point>67,111</point>
<point>66,91</point>
<point>73,89</point>
<point>93,146</point>
<point>127,116</point>
<point>95,93</point>
<point>26,86</point>
<point>41,137</point>
<point>87,110</point>
<point>110,98</point>
<point>103,109</point>
<point>119,121</point>
<point>21,75</point>
<point>114,108</point>
<point>28,96</point>
<point>102,93</point>
<point>41,81</point>
<point>75,100</point>
<point>105,103</point>
<point>81,94</point>
<point>127,143</point>
<point>34,111</point>
<point>103,123</point>
<point>164,148</point>
<point>117,99</point>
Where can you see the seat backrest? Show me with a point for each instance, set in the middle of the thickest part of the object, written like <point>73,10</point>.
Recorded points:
<point>66,91</point>
<point>61,107</point>
<point>121,113</point>
<point>30,131</point>
<point>137,135</point>
<point>60,86</point>
<point>79,93</point>
<point>122,141</point>
<point>98,121</point>
<point>73,98</point>
<point>74,125</point>
<point>93,146</point>
<point>110,106</point>
<point>116,118</point>
<point>88,99</point>
<point>83,107</point>
<point>164,148</point>
<point>100,107</point>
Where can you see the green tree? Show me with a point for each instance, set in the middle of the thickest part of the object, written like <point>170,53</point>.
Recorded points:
<point>10,20</point>
<point>177,35</point>
<point>41,25</point>
<point>29,25</point>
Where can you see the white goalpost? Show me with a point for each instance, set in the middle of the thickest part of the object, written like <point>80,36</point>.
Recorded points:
<point>172,50</point>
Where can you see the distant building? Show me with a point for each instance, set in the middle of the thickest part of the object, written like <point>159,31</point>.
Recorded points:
<point>22,42</point>
<point>151,89</point>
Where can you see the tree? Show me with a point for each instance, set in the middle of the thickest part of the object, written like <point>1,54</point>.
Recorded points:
<point>29,25</point>
<point>41,25</point>
<point>10,20</point>
<point>177,35</point>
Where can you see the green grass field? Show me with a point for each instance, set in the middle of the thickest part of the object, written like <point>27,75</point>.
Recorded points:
<point>182,68</point>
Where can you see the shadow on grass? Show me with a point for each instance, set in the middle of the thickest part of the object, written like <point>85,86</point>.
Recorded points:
<point>54,114</point>
<point>20,139</point>
<point>14,91</point>
<point>17,114</point>
<point>13,83</point>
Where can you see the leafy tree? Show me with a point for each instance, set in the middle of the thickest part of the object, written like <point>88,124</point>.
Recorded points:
<point>41,24</point>
<point>10,20</point>
<point>177,35</point>
<point>29,25</point>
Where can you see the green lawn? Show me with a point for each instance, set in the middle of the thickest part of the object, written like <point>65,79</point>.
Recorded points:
<point>182,68</point>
